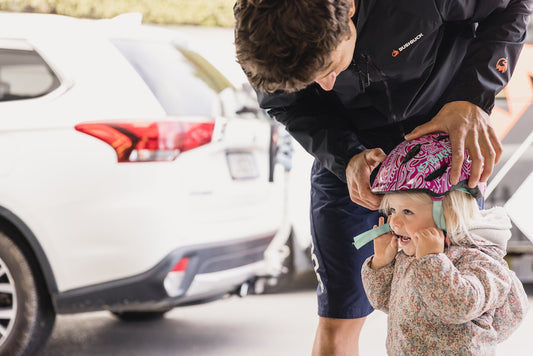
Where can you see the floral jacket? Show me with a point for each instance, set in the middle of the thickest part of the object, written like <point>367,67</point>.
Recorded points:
<point>460,302</point>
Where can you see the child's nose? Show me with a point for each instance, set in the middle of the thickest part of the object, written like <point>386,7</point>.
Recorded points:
<point>395,221</point>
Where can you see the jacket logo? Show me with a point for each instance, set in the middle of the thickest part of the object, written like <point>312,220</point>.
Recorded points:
<point>396,52</point>
<point>501,65</point>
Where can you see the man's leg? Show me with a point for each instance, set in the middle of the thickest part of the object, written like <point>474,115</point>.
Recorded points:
<point>337,336</point>
<point>342,302</point>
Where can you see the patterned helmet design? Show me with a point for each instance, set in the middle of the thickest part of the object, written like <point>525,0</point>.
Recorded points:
<point>423,164</point>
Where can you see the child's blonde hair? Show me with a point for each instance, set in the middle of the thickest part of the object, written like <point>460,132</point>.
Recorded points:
<point>459,209</point>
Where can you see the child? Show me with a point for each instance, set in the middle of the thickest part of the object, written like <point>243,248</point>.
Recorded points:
<point>439,271</point>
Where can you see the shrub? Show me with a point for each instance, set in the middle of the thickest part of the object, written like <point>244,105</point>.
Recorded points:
<point>179,12</point>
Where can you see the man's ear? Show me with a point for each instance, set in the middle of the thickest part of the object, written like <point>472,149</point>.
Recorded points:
<point>352,7</point>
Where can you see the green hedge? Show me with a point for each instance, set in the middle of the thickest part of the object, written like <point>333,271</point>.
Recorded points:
<point>182,12</point>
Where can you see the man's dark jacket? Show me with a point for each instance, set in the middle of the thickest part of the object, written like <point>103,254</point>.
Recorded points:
<point>411,57</point>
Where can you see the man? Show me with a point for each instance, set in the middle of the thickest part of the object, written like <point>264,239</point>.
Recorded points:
<point>350,80</point>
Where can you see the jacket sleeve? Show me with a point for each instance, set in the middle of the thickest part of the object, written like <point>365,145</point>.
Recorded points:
<point>500,31</point>
<point>313,119</point>
<point>475,285</point>
<point>377,284</point>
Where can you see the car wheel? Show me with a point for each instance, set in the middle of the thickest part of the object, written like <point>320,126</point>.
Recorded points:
<point>26,314</point>
<point>140,315</point>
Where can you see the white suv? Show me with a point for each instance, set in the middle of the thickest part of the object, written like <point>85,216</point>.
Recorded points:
<point>134,178</point>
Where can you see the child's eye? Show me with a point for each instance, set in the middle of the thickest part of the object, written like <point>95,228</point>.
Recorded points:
<point>391,211</point>
<point>407,212</point>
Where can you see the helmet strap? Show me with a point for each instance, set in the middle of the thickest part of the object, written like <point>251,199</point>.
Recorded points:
<point>438,215</point>
<point>364,238</point>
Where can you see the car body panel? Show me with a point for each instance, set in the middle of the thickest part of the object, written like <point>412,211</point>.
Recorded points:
<point>98,220</point>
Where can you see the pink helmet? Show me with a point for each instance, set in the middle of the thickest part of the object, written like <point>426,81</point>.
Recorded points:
<point>423,164</point>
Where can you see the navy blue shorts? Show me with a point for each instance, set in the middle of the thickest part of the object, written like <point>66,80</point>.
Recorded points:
<point>335,220</point>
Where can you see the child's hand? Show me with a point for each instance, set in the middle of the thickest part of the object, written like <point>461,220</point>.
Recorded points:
<point>427,241</point>
<point>385,248</point>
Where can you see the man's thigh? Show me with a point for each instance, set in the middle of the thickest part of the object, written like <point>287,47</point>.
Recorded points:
<point>335,220</point>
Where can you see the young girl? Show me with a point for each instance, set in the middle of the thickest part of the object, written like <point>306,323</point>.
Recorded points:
<point>439,271</point>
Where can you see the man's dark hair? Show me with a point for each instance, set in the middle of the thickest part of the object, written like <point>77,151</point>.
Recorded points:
<point>284,44</point>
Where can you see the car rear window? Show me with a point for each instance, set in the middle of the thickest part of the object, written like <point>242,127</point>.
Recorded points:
<point>183,81</point>
<point>24,75</point>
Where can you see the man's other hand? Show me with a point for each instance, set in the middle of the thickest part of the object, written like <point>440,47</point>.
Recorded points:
<point>358,173</point>
<point>468,127</point>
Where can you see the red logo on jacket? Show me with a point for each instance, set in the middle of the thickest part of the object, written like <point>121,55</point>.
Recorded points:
<point>501,65</point>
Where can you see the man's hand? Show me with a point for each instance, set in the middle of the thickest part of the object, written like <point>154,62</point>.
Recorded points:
<point>385,248</point>
<point>468,127</point>
<point>358,177</point>
<point>427,241</point>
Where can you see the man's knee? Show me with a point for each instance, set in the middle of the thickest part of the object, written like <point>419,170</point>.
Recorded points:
<point>337,327</point>
<point>337,337</point>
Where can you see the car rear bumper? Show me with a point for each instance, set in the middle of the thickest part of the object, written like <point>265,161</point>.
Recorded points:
<point>213,271</point>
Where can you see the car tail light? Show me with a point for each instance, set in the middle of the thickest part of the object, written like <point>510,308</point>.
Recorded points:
<point>172,282</point>
<point>181,266</point>
<point>151,141</point>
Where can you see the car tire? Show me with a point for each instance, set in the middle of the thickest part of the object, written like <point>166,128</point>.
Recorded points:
<point>140,315</point>
<point>27,316</point>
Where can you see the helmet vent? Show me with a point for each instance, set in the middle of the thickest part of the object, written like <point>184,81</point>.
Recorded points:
<point>441,137</point>
<point>436,174</point>
<point>412,152</point>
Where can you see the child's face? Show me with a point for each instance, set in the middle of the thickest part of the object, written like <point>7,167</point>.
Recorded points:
<point>407,216</point>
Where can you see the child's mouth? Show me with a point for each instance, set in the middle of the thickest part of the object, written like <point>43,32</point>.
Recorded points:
<point>402,238</point>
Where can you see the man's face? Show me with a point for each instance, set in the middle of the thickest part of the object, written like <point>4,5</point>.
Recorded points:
<point>340,60</point>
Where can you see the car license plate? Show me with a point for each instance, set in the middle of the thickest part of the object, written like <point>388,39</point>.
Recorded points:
<point>242,165</point>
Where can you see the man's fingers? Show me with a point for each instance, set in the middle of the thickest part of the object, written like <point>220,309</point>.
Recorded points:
<point>476,168</point>
<point>365,197</point>
<point>374,157</point>
<point>492,154</point>
<point>489,157</point>
<point>371,201</point>
<point>421,130</point>
<point>496,144</point>
<point>358,177</point>
<point>457,159</point>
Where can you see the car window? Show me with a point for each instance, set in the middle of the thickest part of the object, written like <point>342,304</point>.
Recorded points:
<point>24,75</point>
<point>183,81</point>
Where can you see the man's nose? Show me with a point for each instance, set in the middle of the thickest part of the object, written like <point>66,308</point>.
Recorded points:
<point>327,82</point>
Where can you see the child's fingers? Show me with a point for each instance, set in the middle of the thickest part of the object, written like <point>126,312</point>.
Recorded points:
<point>394,243</point>
<point>415,238</point>
<point>431,233</point>
<point>426,241</point>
